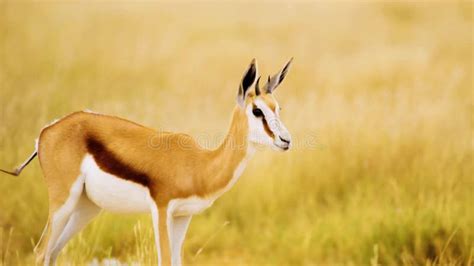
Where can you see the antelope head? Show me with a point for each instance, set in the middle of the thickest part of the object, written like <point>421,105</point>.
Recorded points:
<point>262,109</point>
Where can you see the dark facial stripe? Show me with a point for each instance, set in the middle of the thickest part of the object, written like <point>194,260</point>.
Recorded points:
<point>267,128</point>
<point>265,125</point>
<point>109,163</point>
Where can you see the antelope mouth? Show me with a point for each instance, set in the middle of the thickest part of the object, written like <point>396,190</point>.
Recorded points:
<point>282,143</point>
<point>282,147</point>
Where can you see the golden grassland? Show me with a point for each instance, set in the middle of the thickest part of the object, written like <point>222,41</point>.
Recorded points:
<point>379,102</point>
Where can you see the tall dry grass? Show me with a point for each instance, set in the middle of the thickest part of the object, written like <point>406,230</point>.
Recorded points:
<point>379,100</point>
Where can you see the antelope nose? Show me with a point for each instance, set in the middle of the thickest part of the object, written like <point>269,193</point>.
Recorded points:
<point>284,140</point>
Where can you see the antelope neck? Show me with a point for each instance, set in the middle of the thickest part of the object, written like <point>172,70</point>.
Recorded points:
<point>233,151</point>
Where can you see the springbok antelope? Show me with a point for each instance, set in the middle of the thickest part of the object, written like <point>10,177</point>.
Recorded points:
<point>92,162</point>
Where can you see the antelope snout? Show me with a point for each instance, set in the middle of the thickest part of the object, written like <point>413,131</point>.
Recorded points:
<point>283,142</point>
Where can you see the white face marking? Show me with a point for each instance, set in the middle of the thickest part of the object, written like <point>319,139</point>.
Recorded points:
<point>113,193</point>
<point>257,131</point>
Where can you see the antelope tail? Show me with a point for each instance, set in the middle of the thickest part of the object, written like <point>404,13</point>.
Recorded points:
<point>18,170</point>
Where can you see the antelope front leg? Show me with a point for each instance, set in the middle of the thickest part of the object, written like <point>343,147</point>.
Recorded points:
<point>179,226</point>
<point>161,223</point>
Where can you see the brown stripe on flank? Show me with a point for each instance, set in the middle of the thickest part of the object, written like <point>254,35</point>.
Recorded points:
<point>109,163</point>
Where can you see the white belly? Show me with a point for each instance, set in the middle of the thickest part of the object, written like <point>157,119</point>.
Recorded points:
<point>113,193</point>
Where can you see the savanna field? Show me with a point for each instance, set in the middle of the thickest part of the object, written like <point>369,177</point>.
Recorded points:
<point>378,100</point>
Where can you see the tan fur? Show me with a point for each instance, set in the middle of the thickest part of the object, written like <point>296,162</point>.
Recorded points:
<point>170,165</point>
<point>175,161</point>
<point>177,165</point>
<point>269,100</point>
<point>266,97</point>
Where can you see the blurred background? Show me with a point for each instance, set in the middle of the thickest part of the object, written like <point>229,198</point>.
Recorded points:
<point>378,99</point>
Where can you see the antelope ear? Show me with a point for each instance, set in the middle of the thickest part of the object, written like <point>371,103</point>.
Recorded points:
<point>247,80</point>
<point>276,80</point>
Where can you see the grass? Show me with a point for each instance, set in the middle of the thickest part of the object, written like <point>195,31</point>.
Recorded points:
<point>379,101</point>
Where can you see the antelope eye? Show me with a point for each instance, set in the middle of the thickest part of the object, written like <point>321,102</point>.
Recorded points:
<point>257,112</point>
